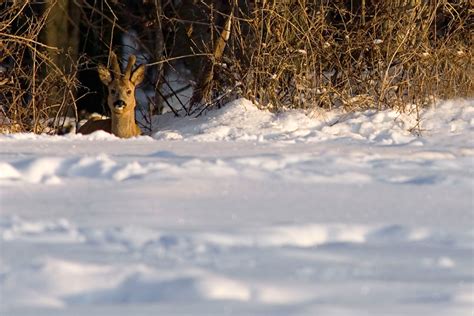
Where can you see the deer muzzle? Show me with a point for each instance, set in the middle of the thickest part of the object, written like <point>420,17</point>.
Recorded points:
<point>119,104</point>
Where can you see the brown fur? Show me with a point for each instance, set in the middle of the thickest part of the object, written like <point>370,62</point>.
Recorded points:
<point>121,100</point>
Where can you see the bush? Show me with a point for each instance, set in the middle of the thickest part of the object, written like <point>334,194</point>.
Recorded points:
<point>36,93</point>
<point>383,54</point>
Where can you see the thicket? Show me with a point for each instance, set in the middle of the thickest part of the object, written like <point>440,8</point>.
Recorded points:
<point>281,54</point>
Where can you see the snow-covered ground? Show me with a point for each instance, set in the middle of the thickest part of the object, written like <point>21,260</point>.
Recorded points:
<point>243,212</point>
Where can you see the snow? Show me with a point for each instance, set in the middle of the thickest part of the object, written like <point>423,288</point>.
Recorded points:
<point>244,212</point>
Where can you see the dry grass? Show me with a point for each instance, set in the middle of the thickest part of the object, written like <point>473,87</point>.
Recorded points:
<point>36,94</point>
<point>304,54</point>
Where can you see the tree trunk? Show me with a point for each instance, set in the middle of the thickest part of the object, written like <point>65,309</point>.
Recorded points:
<point>61,31</point>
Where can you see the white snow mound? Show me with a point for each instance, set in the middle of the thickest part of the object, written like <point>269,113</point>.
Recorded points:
<point>241,120</point>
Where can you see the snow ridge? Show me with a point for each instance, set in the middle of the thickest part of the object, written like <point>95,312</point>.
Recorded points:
<point>352,165</point>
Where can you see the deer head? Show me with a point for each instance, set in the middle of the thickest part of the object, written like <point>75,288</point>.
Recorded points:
<point>121,98</point>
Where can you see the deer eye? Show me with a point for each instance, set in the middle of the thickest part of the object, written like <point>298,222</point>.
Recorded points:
<point>113,91</point>
<point>129,92</point>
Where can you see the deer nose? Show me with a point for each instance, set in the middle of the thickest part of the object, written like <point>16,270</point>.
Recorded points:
<point>119,104</point>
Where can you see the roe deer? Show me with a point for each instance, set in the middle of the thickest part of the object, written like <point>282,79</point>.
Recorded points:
<point>121,100</point>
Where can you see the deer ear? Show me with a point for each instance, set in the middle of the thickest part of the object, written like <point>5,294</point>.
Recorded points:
<point>138,75</point>
<point>104,75</point>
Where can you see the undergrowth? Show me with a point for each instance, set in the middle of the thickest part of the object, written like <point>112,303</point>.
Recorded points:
<point>302,54</point>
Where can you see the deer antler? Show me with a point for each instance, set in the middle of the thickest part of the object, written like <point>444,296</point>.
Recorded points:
<point>115,64</point>
<point>131,61</point>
